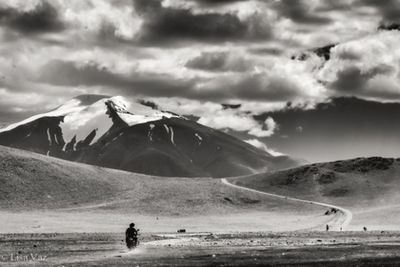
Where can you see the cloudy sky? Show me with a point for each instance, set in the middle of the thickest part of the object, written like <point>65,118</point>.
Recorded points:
<point>189,56</point>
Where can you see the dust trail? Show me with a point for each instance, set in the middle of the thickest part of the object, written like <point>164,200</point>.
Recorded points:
<point>136,251</point>
<point>337,222</point>
<point>130,252</point>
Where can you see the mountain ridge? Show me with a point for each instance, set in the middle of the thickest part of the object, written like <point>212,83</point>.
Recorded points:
<point>132,136</point>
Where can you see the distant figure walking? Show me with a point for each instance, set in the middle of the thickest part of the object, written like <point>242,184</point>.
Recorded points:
<point>365,229</point>
<point>327,227</point>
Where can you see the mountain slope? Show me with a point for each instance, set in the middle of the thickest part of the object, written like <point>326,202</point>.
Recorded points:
<point>114,133</point>
<point>368,187</point>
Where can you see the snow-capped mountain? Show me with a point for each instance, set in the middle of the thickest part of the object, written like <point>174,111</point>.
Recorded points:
<point>88,117</point>
<point>116,133</point>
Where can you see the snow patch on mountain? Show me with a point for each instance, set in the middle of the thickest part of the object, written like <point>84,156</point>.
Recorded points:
<point>150,133</point>
<point>166,128</point>
<point>48,136</point>
<point>172,135</point>
<point>199,138</point>
<point>81,123</point>
<point>135,113</point>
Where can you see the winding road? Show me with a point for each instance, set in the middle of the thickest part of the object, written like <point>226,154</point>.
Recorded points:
<point>338,223</point>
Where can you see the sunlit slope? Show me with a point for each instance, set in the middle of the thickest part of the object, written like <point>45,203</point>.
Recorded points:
<point>31,181</point>
<point>369,187</point>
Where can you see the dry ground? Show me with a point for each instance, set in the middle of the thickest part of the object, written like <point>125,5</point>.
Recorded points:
<point>204,249</point>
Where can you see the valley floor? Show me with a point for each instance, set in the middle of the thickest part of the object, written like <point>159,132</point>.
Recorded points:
<point>103,221</point>
<point>203,249</point>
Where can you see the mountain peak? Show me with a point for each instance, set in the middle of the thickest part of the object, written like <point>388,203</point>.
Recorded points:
<point>90,99</point>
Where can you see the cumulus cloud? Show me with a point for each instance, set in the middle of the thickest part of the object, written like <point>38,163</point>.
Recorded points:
<point>282,80</point>
<point>115,20</point>
<point>228,119</point>
<point>199,108</point>
<point>241,118</point>
<point>366,67</point>
<point>267,130</point>
<point>260,145</point>
<point>205,52</point>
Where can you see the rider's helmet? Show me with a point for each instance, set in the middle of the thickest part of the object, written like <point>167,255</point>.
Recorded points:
<point>132,225</point>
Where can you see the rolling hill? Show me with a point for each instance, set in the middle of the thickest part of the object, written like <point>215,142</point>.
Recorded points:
<point>46,194</point>
<point>355,182</point>
<point>367,186</point>
<point>33,181</point>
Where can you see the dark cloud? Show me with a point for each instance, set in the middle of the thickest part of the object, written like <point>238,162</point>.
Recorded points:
<point>66,73</point>
<point>351,80</point>
<point>219,61</point>
<point>265,51</point>
<point>322,52</point>
<point>218,2</point>
<point>166,24</point>
<point>354,81</point>
<point>148,103</point>
<point>273,88</point>
<point>337,5</point>
<point>298,11</point>
<point>231,106</point>
<point>247,86</point>
<point>389,9</point>
<point>389,26</point>
<point>43,18</point>
<point>348,55</point>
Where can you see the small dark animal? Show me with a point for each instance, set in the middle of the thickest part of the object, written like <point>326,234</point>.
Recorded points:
<point>182,231</point>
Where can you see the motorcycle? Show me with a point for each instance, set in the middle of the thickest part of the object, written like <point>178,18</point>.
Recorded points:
<point>133,242</point>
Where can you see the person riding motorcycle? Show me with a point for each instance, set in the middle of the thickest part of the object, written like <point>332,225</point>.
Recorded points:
<point>131,236</point>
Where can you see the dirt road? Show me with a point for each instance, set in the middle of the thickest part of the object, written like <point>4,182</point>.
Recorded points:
<point>339,222</point>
